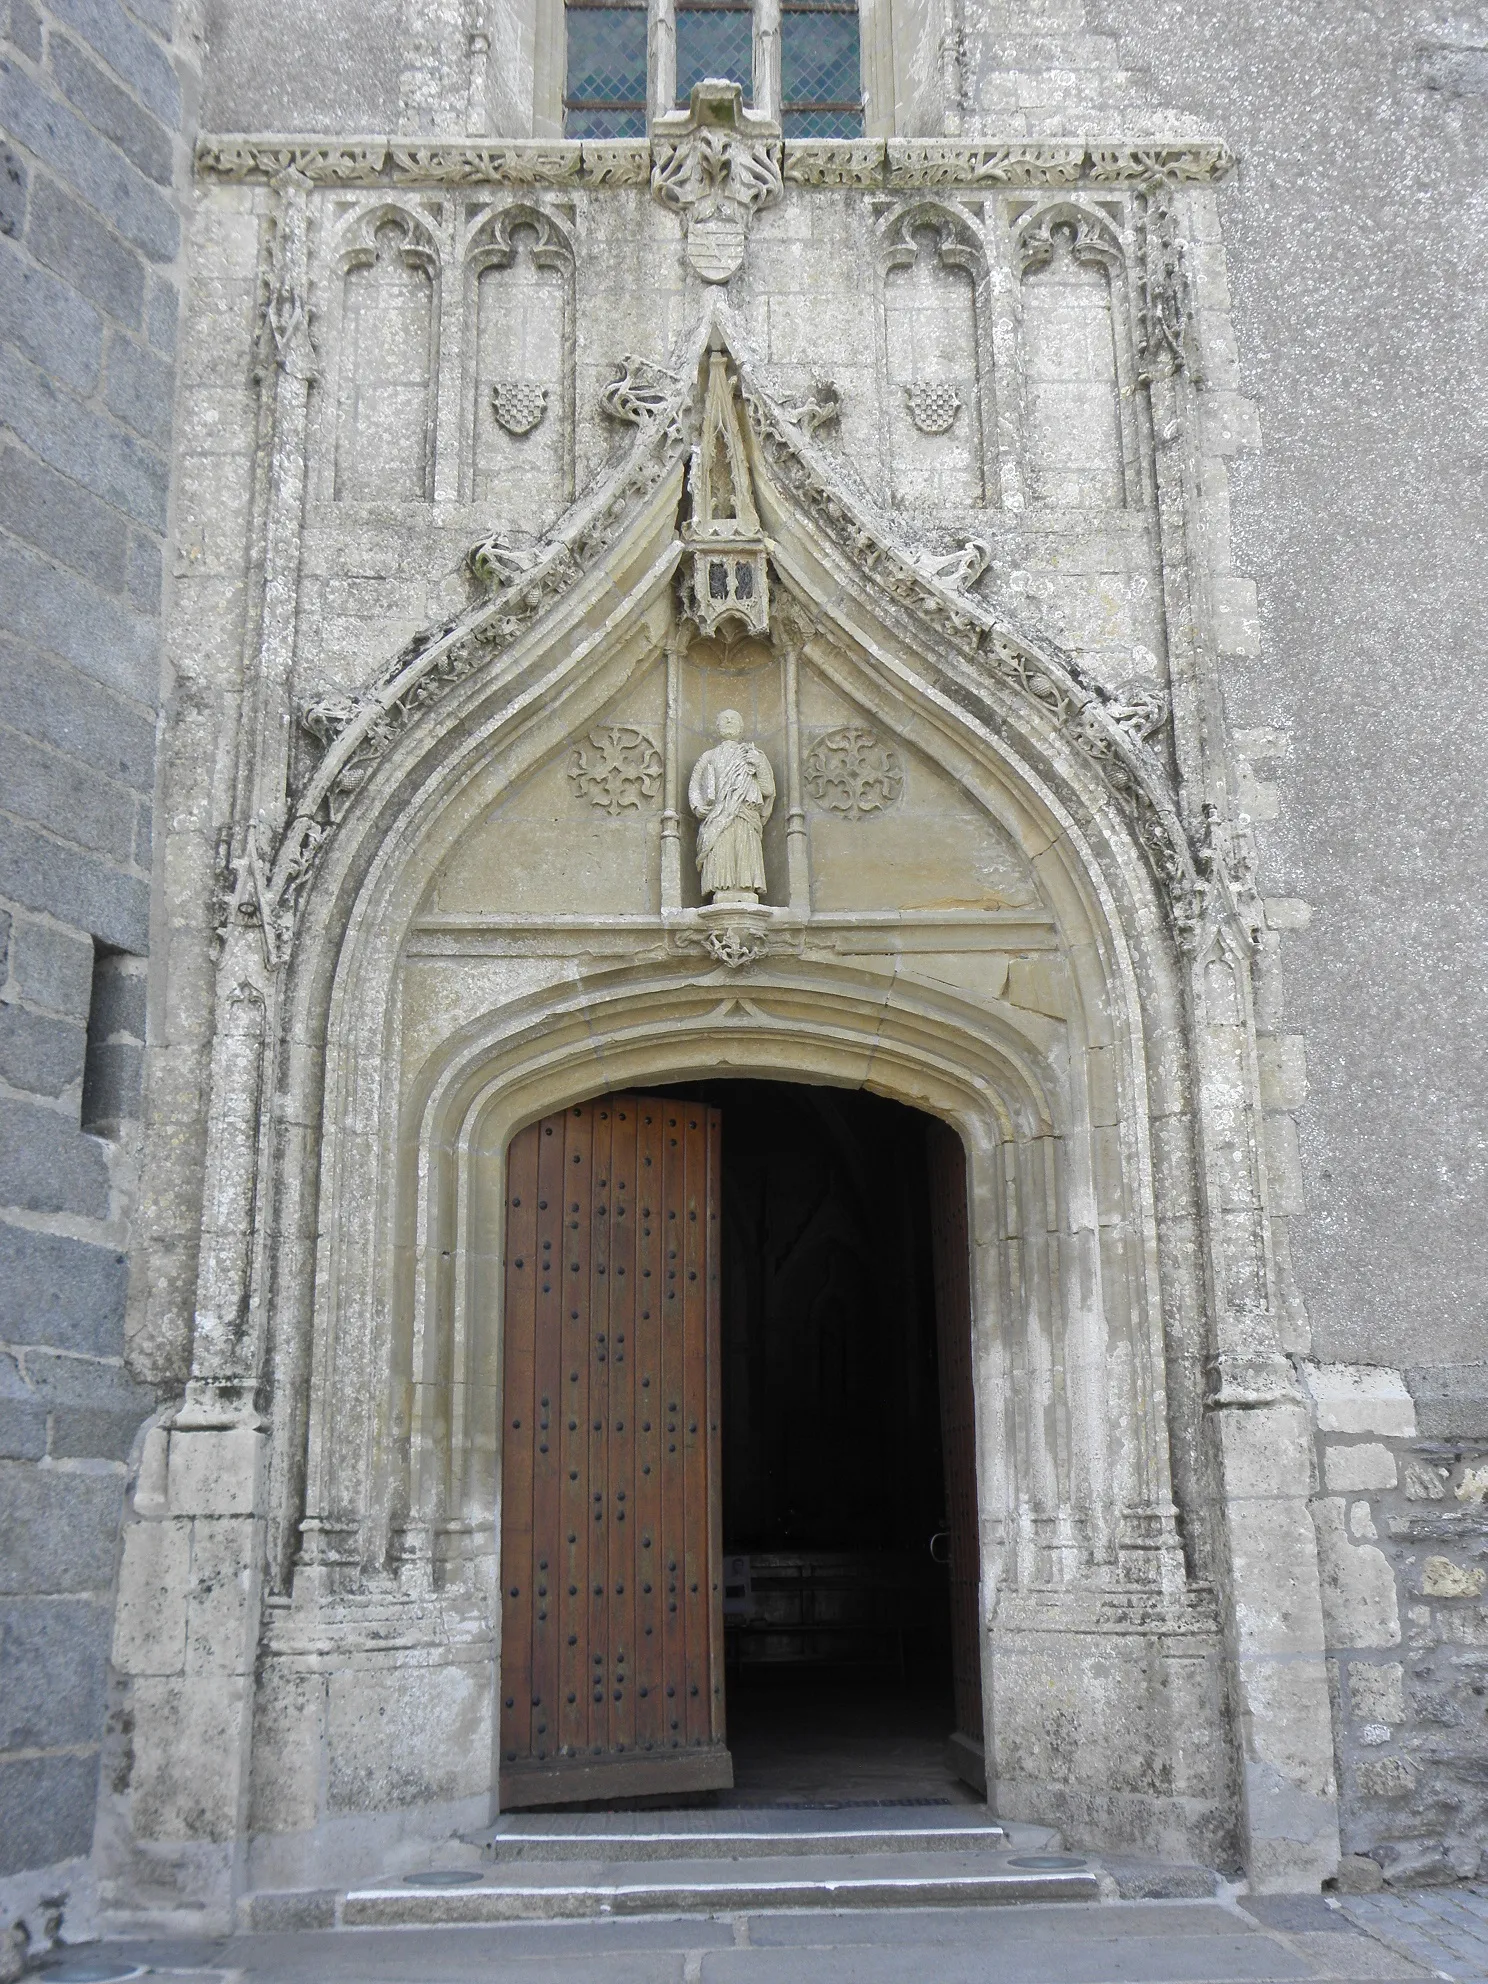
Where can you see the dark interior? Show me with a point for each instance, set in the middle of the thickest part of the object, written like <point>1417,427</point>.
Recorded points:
<point>837,1619</point>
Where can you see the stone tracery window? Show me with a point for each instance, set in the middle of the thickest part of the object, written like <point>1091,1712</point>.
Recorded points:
<point>817,87</point>
<point>821,75</point>
<point>715,38</point>
<point>605,91</point>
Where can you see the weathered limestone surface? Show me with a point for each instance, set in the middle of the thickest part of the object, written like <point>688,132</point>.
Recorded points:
<point>959,623</point>
<point>456,605</point>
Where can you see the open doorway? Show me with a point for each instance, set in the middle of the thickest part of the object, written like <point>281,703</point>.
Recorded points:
<point>738,1521</point>
<point>836,1500</point>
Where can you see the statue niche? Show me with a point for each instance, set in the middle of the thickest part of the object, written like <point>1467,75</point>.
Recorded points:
<point>732,794</point>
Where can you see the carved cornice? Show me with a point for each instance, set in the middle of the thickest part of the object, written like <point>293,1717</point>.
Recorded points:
<point>397,162</point>
<point>888,164</point>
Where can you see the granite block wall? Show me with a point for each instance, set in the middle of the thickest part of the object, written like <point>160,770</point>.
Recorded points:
<point>97,104</point>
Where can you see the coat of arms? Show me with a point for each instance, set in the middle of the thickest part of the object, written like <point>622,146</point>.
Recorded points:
<point>518,404</point>
<point>933,405</point>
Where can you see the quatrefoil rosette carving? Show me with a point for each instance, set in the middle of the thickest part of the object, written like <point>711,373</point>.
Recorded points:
<point>617,767</point>
<point>851,771</point>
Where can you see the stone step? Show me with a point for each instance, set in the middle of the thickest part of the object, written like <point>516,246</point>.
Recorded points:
<point>569,1889</point>
<point>749,1834</point>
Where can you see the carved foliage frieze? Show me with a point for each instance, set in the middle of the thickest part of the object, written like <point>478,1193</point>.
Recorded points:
<point>852,771</point>
<point>827,162</point>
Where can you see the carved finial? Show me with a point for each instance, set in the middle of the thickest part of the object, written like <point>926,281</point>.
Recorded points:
<point>1223,897</point>
<point>728,579</point>
<point>284,340</point>
<point>1165,310</point>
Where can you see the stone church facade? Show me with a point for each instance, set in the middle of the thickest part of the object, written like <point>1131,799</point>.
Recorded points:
<point>513,446</point>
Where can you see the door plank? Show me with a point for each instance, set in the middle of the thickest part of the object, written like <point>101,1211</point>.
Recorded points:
<point>650,1259</point>
<point>517,1438</point>
<point>692,1420</point>
<point>612,1621</point>
<point>673,1472</point>
<point>613,1191</point>
<point>713,1263</point>
<point>575,1522</point>
<point>547,1477</point>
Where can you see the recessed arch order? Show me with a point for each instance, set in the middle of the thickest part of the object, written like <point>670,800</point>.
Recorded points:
<point>410,1027</point>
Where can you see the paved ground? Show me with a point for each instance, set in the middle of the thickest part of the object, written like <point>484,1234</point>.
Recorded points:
<point>1444,1934</point>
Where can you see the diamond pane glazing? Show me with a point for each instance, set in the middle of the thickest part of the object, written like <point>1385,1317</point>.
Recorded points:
<point>715,41</point>
<point>822,123</point>
<point>605,123</point>
<point>606,91</point>
<point>820,63</point>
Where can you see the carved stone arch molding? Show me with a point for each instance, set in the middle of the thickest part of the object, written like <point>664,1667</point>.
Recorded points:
<point>397,1335</point>
<point>379,419</point>
<point>401,1334</point>
<point>941,392</point>
<point>346,1355</point>
<point>1091,385</point>
<point>516,361</point>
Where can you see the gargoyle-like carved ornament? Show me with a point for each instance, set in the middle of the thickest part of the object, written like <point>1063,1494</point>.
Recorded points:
<point>716,174</point>
<point>499,562</point>
<point>821,407</point>
<point>639,391</point>
<point>957,569</point>
<point>1139,710</point>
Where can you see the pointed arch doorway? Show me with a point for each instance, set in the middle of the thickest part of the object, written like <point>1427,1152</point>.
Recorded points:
<point>739,1535</point>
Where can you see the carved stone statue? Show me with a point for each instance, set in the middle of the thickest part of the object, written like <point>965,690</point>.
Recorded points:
<point>732,792</point>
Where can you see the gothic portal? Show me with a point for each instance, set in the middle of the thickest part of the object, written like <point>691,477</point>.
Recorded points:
<point>722,607</point>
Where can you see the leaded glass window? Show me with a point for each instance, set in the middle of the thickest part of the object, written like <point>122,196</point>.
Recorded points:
<point>821,80</point>
<point>715,38</point>
<point>605,95</point>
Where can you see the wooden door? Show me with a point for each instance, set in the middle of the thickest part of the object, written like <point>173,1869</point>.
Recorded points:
<point>951,1248</point>
<point>611,1527</point>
